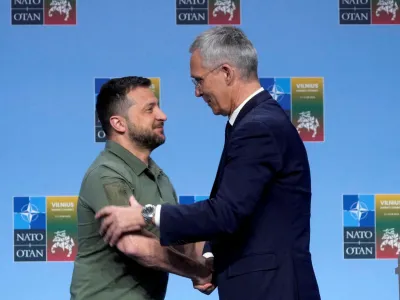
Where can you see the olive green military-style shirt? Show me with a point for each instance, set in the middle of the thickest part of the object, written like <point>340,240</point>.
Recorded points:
<point>102,272</point>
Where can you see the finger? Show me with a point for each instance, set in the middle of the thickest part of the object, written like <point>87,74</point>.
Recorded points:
<point>209,287</point>
<point>105,211</point>
<point>203,287</point>
<point>209,290</point>
<point>200,288</point>
<point>109,233</point>
<point>115,237</point>
<point>105,224</point>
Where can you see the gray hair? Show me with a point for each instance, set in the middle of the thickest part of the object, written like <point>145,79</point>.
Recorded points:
<point>227,44</point>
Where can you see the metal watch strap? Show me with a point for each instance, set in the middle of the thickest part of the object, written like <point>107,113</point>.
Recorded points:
<point>148,212</point>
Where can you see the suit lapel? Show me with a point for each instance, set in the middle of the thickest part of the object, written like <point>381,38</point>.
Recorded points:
<point>228,130</point>
<point>257,99</point>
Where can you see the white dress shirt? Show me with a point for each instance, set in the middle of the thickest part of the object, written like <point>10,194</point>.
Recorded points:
<point>232,119</point>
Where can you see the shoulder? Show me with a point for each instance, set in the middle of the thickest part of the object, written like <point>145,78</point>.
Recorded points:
<point>269,119</point>
<point>106,165</point>
<point>270,113</point>
<point>258,122</point>
<point>250,136</point>
<point>103,170</point>
<point>266,128</point>
<point>103,179</point>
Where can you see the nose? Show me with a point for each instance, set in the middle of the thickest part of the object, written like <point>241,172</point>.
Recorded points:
<point>197,92</point>
<point>161,116</point>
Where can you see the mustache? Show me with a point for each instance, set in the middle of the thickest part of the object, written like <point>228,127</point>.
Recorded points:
<point>159,125</point>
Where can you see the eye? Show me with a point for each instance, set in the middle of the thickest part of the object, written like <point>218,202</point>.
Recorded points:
<point>196,81</point>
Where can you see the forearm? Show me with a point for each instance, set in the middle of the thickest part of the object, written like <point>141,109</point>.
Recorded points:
<point>193,250</point>
<point>148,252</point>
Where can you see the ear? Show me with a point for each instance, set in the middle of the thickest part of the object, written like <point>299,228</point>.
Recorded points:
<point>118,123</point>
<point>229,74</point>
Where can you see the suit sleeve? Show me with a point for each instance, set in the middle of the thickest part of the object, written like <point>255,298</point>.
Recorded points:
<point>207,252</point>
<point>252,160</point>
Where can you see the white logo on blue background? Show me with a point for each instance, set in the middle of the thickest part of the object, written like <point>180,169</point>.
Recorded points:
<point>29,213</point>
<point>358,211</point>
<point>280,90</point>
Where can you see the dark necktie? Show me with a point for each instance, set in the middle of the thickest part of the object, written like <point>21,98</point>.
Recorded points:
<point>228,130</point>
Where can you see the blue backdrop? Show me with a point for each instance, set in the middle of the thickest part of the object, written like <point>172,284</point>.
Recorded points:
<point>47,103</point>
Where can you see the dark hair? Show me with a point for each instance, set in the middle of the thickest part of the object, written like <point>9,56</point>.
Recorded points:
<point>112,98</point>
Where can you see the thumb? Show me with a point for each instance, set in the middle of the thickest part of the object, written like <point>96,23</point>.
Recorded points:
<point>203,286</point>
<point>133,201</point>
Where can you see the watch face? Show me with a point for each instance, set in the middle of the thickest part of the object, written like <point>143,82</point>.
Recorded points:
<point>148,209</point>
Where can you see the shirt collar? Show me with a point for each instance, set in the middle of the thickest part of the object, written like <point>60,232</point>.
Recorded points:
<point>131,160</point>
<point>235,113</point>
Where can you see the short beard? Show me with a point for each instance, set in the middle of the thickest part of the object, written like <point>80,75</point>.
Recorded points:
<point>144,138</point>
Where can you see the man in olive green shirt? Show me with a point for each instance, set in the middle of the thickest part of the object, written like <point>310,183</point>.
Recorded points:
<point>137,267</point>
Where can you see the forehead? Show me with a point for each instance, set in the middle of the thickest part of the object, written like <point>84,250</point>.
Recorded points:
<point>142,96</point>
<point>196,68</point>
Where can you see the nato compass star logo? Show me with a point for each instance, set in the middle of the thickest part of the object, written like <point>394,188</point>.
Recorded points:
<point>276,92</point>
<point>29,213</point>
<point>280,90</point>
<point>358,210</point>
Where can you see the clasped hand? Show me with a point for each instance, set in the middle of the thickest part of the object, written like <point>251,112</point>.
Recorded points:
<point>117,220</point>
<point>205,284</point>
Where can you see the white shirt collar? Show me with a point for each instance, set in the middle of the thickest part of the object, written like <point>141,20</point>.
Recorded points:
<point>235,113</point>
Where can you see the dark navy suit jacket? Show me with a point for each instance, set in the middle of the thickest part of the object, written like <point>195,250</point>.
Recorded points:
<point>257,220</point>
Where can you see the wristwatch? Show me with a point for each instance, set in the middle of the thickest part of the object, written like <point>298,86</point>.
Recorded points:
<point>148,212</point>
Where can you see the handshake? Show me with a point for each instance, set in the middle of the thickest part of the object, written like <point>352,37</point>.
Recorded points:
<point>119,227</point>
<point>204,282</point>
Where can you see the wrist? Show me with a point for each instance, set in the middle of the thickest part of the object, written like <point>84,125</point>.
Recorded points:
<point>148,214</point>
<point>143,222</point>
